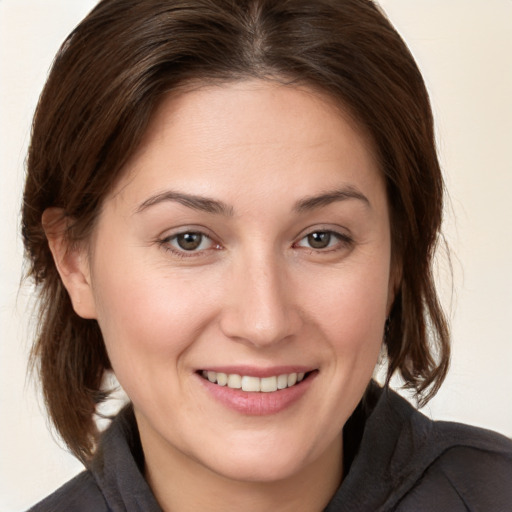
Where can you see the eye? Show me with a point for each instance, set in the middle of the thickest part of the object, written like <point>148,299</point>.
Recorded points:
<point>189,241</point>
<point>319,240</point>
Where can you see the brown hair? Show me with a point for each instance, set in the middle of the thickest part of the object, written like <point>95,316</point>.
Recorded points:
<point>105,83</point>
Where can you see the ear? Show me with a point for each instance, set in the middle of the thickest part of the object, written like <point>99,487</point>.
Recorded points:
<point>71,260</point>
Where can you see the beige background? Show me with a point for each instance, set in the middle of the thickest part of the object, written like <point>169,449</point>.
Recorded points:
<point>464,48</point>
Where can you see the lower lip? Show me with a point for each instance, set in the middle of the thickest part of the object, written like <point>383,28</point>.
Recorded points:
<point>258,403</point>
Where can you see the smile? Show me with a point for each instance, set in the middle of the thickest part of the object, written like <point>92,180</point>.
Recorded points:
<point>256,391</point>
<point>254,384</point>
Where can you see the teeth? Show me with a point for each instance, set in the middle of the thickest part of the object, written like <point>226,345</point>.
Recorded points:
<point>234,381</point>
<point>250,383</point>
<point>254,384</point>
<point>282,381</point>
<point>222,379</point>
<point>269,384</point>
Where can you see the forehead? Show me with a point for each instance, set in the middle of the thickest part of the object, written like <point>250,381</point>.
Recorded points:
<point>256,129</point>
<point>264,103</point>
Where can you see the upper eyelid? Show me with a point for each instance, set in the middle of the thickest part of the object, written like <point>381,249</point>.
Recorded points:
<point>319,228</point>
<point>174,232</point>
<point>175,235</point>
<point>342,236</point>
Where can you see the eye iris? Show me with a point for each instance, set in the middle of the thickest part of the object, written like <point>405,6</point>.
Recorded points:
<point>319,239</point>
<point>189,241</point>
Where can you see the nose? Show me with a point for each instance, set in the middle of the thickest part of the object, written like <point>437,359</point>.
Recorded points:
<point>260,308</point>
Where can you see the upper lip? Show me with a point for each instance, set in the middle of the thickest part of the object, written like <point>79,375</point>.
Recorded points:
<point>258,371</point>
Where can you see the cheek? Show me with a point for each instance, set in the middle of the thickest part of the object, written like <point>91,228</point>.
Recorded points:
<point>145,311</point>
<point>350,307</point>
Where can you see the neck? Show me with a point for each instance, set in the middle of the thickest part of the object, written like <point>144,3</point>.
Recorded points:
<point>185,485</point>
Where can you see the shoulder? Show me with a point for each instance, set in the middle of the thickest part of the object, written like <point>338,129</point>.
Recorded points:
<point>81,494</point>
<point>420,465</point>
<point>114,479</point>
<point>406,462</point>
<point>464,468</point>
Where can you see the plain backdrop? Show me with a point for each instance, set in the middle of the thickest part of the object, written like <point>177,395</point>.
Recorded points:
<point>464,48</point>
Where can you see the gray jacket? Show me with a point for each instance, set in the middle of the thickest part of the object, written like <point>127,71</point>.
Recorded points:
<point>395,459</point>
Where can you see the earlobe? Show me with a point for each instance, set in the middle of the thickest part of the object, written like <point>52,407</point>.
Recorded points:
<point>72,262</point>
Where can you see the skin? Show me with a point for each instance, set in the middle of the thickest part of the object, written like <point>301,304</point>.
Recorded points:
<point>254,292</point>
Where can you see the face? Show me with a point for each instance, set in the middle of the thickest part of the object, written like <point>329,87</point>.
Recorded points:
<point>247,244</point>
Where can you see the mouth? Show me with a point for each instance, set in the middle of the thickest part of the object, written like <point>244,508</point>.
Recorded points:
<point>254,391</point>
<point>252,384</point>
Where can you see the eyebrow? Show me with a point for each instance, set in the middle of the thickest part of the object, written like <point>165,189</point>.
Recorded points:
<point>209,205</point>
<point>204,204</point>
<point>319,201</point>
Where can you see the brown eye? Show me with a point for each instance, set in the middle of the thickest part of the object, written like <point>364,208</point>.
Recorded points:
<point>189,241</point>
<point>325,241</point>
<point>319,239</point>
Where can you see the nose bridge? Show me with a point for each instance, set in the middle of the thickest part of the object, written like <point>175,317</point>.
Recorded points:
<point>261,310</point>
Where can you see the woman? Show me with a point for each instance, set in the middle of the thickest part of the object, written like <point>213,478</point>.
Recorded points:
<point>234,206</point>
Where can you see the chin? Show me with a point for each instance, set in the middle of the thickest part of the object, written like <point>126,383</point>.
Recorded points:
<point>261,459</point>
<point>257,469</point>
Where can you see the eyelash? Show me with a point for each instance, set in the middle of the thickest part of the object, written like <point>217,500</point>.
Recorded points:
<point>344,241</point>
<point>165,243</point>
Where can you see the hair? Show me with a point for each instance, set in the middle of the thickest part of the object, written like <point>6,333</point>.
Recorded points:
<point>108,78</point>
